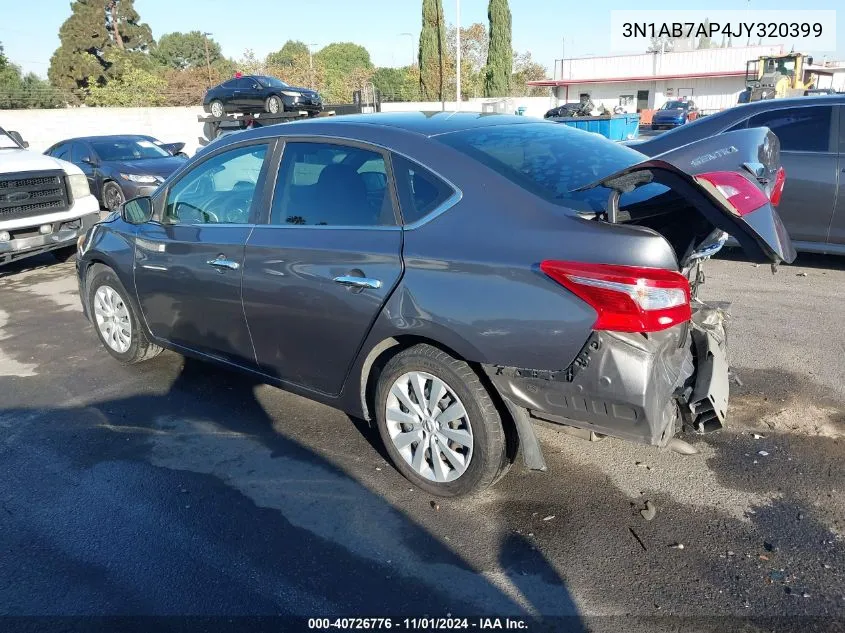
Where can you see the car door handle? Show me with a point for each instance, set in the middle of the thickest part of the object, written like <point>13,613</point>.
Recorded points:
<point>222,262</point>
<point>358,282</point>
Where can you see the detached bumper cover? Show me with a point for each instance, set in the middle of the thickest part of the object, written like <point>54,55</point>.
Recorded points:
<point>629,386</point>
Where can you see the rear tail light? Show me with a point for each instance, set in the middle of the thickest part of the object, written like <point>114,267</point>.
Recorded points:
<point>741,195</point>
<point>777,188</point>
<point>626,298</point>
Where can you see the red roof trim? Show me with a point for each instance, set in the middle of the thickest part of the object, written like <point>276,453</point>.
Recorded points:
<point>601,80</point>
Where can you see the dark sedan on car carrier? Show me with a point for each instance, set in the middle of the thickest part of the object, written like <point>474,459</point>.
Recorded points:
<point>451,277</point>
<point>259,93</point>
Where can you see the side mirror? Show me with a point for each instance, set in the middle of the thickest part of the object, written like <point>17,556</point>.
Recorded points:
<point>175,149</point>
<point>256,87</point>
<point>89,161</point>
<point>16,136</point>
<point>137,210</point>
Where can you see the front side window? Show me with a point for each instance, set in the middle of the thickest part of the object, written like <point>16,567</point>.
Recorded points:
<point>323,184</point>
<point>219,190</point>
<point>271,82</point>
<point>798,129</point>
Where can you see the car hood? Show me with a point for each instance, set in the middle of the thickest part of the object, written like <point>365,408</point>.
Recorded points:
<point>12,160</point>
<point>161,167</point>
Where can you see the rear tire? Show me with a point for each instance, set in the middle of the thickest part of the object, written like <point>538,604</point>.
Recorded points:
<point>216,108</point>
<point>115,319</point>
<point>274,105</point>
<point>454,446</point>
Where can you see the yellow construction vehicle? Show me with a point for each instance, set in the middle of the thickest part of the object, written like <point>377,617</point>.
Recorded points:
<point>775,77</point>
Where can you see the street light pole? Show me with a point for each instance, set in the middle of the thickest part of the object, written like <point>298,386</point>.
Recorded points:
<point>207,59</point>
<point>458,54</point>
<point>413,52</point>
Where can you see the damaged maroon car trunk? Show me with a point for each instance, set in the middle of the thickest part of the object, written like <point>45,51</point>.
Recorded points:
<point>646,384</point>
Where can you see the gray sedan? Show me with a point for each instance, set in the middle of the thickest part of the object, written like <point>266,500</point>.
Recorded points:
<point>455,278</point>
<point>811,131</point>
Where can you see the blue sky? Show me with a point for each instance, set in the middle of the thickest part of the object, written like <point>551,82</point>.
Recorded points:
<point>540,26</point>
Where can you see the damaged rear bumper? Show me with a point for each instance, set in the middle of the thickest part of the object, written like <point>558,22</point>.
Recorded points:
<point>638,388</point>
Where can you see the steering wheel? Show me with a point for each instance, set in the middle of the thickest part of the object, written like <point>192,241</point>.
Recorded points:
<point>181,216</point>
<point>234,206</point>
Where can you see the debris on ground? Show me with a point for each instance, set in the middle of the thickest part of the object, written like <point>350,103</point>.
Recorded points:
<point>642,465</point>
<point>649,512</point>
<point>757,436</point>
<point>639,540</point>
<point>377,468</point>
<point>763,557</point>
<point>435,505</point>
<point>763,453</point>
<point>777,575</point>
<point>677,546</point>
<point>805,595</point>
<point>549,518</point>
<point>802,274</point>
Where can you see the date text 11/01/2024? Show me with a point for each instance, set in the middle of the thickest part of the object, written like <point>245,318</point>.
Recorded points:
<point>418,624</point>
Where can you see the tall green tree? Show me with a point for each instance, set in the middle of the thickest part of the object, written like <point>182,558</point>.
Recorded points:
<point>185,50</point>
<point>397,84</point>
<point>94,40</point>
<point>497,80</point>
<point>346,67</point>
<point>432,58</point>
<point>287,54</point>
<point>24,91</point>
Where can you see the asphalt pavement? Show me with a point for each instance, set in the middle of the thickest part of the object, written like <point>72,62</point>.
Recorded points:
<point>176,488</point>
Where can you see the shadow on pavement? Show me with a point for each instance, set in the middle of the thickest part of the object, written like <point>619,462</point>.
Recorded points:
<point>189,503</point>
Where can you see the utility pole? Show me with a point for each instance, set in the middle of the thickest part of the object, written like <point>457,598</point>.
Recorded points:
<point>311,65</point>
<point>207,59</point>
<point>458,54</point>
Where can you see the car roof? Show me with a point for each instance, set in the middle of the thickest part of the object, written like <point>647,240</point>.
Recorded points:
<point>423,123</point>
<point>107,137</point>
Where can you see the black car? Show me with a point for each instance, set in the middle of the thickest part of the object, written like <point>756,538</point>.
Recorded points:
<point>121,167</point>
<point>454,277</point>
<point>812,144</point>
<point>259,93</point>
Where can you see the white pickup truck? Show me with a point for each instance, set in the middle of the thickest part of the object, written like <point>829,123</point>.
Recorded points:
<point>45,203</point>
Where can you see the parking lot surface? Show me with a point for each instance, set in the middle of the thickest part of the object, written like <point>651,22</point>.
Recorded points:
<point>175,487</point>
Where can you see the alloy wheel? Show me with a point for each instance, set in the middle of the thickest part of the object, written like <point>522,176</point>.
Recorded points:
<point>429,426</point>
<point>112,317</point>
<point>217,109</point>
<point>112,197</point>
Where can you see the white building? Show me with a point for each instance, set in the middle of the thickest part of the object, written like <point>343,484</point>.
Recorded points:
<point>712,78</point>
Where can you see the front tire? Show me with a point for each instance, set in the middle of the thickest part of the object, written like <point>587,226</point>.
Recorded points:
<point>274,105</point>
<point>112,196</point>
<point>438,423</point>
<point>115,320</point>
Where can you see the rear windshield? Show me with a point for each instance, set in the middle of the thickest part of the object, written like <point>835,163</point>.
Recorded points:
<point>551,160</point>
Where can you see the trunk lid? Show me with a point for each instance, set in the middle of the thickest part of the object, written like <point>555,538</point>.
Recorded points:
<point>753,153</point>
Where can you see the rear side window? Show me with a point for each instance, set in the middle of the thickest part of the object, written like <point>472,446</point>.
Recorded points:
<point>551,160</point>
<point>798,129</point>
<point>420,191</point>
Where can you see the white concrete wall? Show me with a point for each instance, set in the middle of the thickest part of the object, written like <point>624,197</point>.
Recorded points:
<point>43,128</point>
